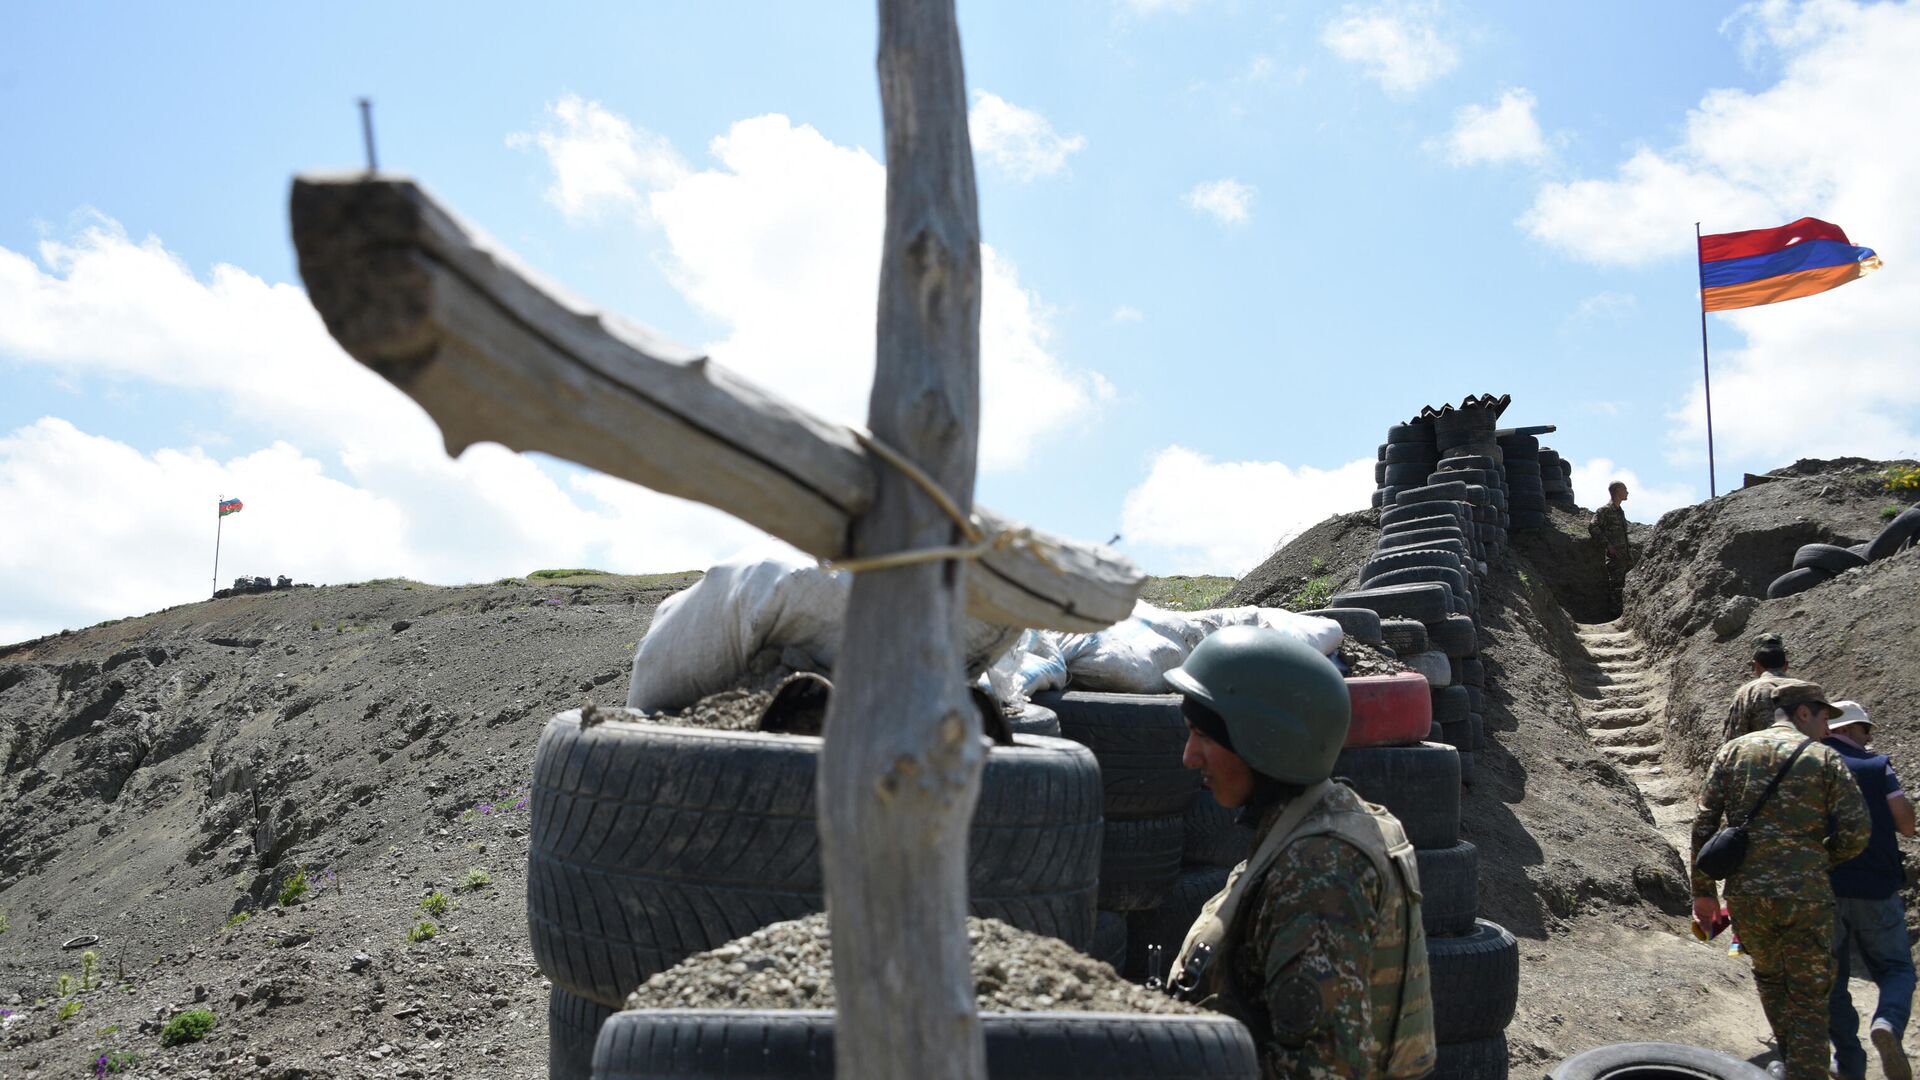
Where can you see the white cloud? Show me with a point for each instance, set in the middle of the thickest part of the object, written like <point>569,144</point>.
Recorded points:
<point>1127,313</point>
<point>356,485</point>
<point>602,163</point>
<point>779,240</point>
<point>1593,477</point>
<point>1018,142</point>
<point>1228,201</point>
<point>1606,304</point>
<point>1195,515</point>
<point>1399,45</point>
<point>1495,135</point>
<point>1828,139</point>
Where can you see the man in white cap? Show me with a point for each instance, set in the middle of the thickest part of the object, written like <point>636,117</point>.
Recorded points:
<point>1868,917</point>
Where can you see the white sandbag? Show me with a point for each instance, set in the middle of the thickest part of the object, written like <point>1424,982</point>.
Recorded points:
<point>704,638</point>
<point>1323,635</point>
<point>1129,657</point>
<point>1032,665</point>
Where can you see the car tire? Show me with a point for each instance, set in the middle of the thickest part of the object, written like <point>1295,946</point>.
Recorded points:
<point>1404,636</point>
<point>1419,784</point>
<point>1424,602</point>
<point>1388,710</point>
<point>1139,862</point>
<point>1138,740</point>
<point>1476,982</point>
<point>1481,1059</point>
<point>1829,557</point>
<point>1901,530</point>
<point>1455,635</point>
<point>573,1023</point>
<point>1213,835</point>
<point>1356,623</point>
<point>1797,581</point>
<point>1449,889</point>
<point>1655,1061</point>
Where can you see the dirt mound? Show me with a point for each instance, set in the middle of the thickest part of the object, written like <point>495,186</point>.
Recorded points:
<point>166,773</point>
<point>1705,566</point>
<point>1323,560</point>
<point>789,965</point>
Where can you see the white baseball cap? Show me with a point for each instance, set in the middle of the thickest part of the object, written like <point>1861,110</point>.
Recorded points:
<point>1850,713</point>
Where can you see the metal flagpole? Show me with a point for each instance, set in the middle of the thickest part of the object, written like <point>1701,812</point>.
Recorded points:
<point>221,519</point>
<point>1706,373</point>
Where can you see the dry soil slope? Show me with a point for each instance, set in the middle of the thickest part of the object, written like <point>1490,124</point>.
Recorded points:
<point>164,772</point>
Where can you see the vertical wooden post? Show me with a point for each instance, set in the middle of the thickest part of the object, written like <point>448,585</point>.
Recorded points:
<point>901,768</point>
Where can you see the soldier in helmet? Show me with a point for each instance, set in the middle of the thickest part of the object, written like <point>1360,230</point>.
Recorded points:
<point>1315,943</point>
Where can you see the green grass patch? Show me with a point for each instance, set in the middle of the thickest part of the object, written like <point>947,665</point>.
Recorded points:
<point>553,575</point>
<point>191,1025</point>
<point>67,1010</point>
<point>1183,592</point>
<point>1311,596</point>
<point>423,931</point>
<point>295,888</point>
<point>236,919</point>
<point>435,903</point>
<point>475,878</point>
<point>1887,513</point>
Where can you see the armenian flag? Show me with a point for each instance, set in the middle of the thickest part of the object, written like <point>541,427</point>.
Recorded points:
<point>1766,266</point>
<point>229,506</point>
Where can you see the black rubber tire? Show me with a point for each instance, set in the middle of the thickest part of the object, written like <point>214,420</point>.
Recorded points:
<point>1406,473</point>
<point>1457,734</point>
<point>1450,706</point>
<point>1455,581</point>
<point>1394,515</point>
<point>1483,477</point>
<point>1520,467</point>
<point>1377,498</point>
<point>1138,740</point>
<point>1213,835</point>
<point>1401,558</point>
<point>1455,635</point>
<point>1655,1061</point>
<point>1519,442</point>
<point>650,843</point>
<point>1411,523</point>
<point>1467,765</point>
<point>755,1044</point>
<point>1404,636</point>
<point>1478,496</point>
<point>1829,557</point>
<point>1449,889</point>
<point>1797,581</point>
<point>1473,672</point>
<point>1167,924</point>
<point>1419,783</point>
<point>1434,493</point>
<point>1438,534</point>
<point>1357,623</point>
<point>1482,1059</point>
<point>1455,462</point>
<point>1034,720</point>
<point>573,1023</point>
<point>1411,433</point>
<point>1476,698</point>
<point>1527,502</point>
<point>1527,519</point>
<point>1109,939</point>
<point>1455,544</point>
<point>1405,453</point>
<point>1139,862</point>
<point>1479,725</point>
<point>1902,530</point>
<point>1476,982</point>
<point>1425,602</point>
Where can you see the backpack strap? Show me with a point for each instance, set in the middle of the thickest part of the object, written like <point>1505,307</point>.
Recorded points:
<point>1775,782</point>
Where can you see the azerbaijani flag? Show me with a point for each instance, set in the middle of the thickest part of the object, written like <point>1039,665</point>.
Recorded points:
<point>229,506</point>
<point>1766,266</point>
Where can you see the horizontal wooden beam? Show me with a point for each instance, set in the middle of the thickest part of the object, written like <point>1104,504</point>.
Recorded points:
<point>495,354</point>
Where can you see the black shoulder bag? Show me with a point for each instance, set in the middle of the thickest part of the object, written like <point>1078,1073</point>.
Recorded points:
<point>1722,855</point>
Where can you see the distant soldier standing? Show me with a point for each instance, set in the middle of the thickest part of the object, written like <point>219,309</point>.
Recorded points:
<point>1752,706</point>
<point>1781,902</point>
<point>1609,529</point>
<point>1315,944</point>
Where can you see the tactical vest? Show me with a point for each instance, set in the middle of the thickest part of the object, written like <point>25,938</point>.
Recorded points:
<point>1401,1001</point>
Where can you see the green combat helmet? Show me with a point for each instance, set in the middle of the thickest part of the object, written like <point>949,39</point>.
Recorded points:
<point>1285,705</point>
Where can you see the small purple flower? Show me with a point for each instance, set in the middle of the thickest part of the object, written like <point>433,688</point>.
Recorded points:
<point>485,809</point>
<point>521,805</point>
<point>100,1066</point>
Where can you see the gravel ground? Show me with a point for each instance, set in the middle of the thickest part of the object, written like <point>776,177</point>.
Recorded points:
<point>1364,659</point>
<point>789,966</point>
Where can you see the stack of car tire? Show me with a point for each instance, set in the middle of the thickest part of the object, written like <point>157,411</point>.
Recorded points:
<point>1815,563</point>
<point>1526,491</point>
<point>1165,848</point>
<point>650,843</point>
<point>1556,480</point>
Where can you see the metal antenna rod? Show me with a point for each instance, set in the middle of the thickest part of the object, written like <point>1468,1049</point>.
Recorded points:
<point>366,129</point>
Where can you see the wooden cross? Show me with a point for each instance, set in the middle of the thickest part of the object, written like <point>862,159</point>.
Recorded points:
<point>494,354</point>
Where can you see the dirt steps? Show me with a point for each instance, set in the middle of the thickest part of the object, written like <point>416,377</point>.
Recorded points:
<point>1622,705</point>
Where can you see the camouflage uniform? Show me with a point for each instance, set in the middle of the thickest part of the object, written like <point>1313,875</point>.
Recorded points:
<point>1609,529</point>
<point>1751,708</point>
<point>1306,961</point>
<point>1781,901</point>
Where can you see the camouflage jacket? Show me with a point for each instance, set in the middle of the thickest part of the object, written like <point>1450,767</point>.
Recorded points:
<point>1751,708</point>
<point>1306,963</point>
<point>1609,527</point>
<point>1815,820</point>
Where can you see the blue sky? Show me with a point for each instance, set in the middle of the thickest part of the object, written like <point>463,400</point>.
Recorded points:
<point>1230,243</point>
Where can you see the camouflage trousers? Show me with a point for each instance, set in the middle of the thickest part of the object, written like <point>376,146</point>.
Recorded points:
<point>1791,945</point>
<point>1616,582</point>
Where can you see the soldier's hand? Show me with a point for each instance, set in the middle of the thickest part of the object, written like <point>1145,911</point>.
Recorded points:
<point>1705,908</point>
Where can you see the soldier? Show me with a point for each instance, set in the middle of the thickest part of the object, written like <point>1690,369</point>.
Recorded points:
<point>1868,915</point>
<point>1752,705</point>
<point>1609,529</point>
<point>1315,944</point>
<point>1782,905</point>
